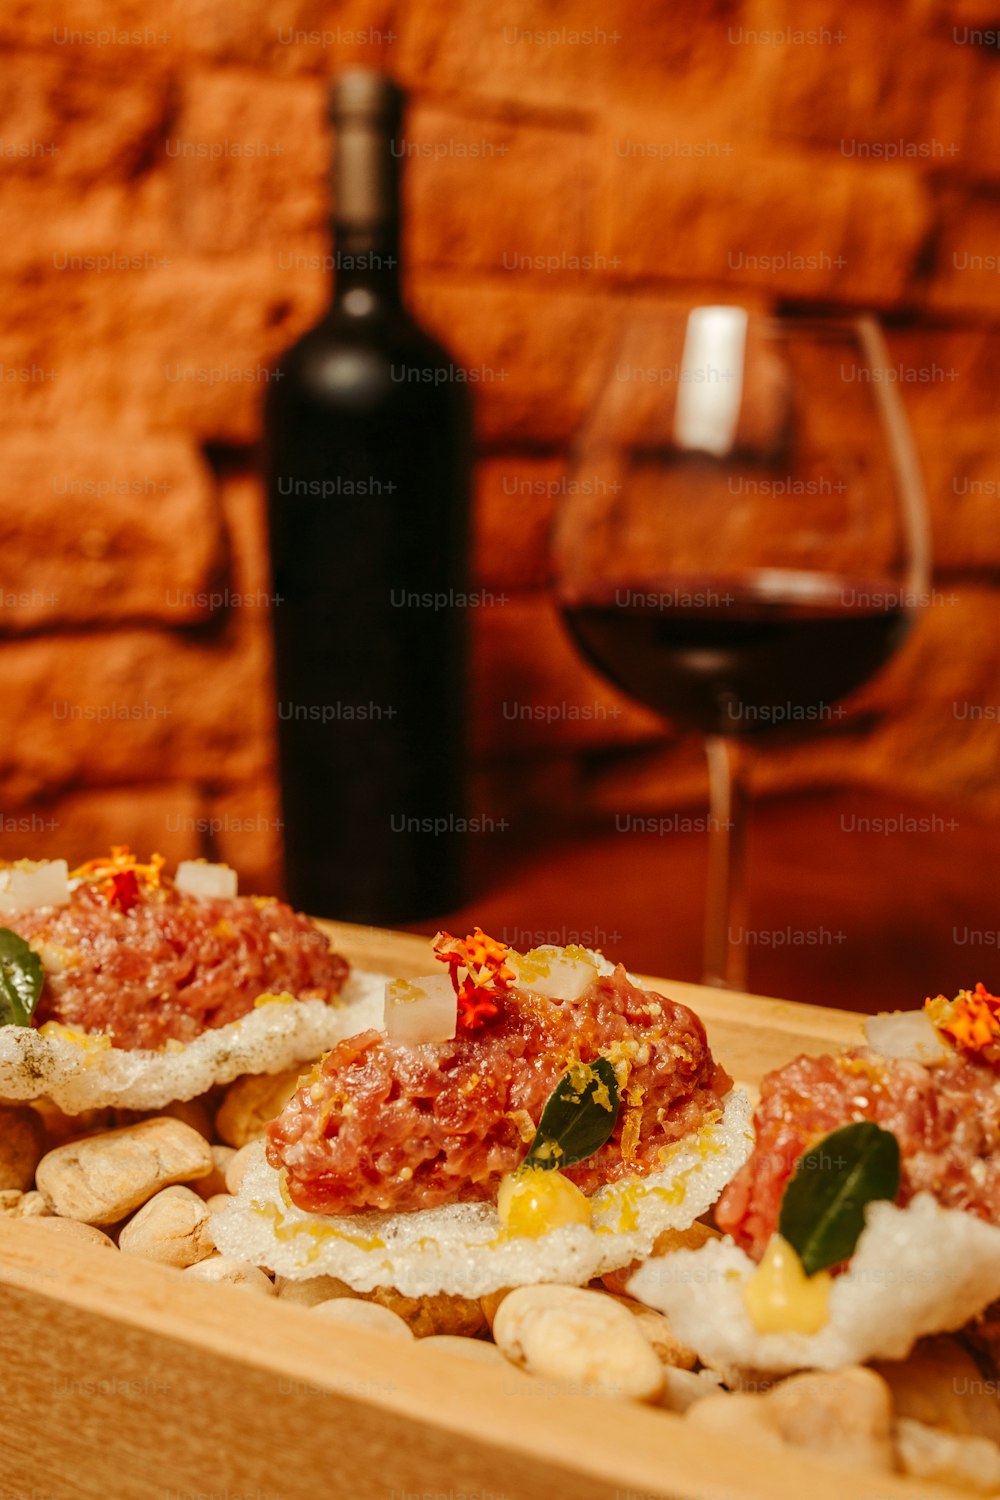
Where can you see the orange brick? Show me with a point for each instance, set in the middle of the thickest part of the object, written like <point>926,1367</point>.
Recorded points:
<point>961,470</point>
<point>974,16</point>
<point>104,233</point>
<point>289,36</point>
<point>893,82</point>
<point>246,524</point>
<point>483,194</point>
<point>573,59</point>
<point>981,152</point>
<point>53,355</point>
<point>121,32</point>
<point>249,558</point>
<point>946,375</point>
<point>244,830</point>
<point>202,339</point>
<point>533,693</point>
<point>516,495</point>
<point>56,109</point>
<point>537,355</point>
<point>131,707</point>
<point>529,53</point>
<point>188,347</point>
<point>77,827</point>
<point>97,531</point>
<point>690,67</point>
<point>248,159</point>
<point>790,223</point>
<point>965,275</point>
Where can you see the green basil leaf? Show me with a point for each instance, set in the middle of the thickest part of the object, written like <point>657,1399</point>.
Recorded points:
<point>578,1118</point>
<point>823,1207</point>
<point>21,979</point>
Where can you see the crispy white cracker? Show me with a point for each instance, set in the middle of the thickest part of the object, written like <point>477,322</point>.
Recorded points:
<point>82,1074</point>
<point>916,1270</point>
<point>459,1248</point>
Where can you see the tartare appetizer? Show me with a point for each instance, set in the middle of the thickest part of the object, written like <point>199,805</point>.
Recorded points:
<point>867,1215</point>
<point>121,985</point>
<point>518,1118</point>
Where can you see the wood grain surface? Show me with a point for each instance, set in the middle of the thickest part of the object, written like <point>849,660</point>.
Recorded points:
<point>125,1379</point>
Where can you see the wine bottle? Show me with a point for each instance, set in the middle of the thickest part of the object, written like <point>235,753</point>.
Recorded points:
<point>367,439</point>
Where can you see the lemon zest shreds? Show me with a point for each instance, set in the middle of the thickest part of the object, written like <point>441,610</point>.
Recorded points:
<point>119,859</point>
<point>631,1131</point>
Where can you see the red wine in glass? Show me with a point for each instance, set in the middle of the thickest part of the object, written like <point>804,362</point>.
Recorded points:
<point>766,650</point>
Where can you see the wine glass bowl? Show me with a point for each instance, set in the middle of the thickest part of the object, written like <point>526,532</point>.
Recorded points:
<point>745,542</point>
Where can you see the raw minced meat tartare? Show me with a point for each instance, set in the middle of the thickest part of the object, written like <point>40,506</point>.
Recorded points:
<point>946,1119</point>
<point>386,1126</point>
<point>137,958</point>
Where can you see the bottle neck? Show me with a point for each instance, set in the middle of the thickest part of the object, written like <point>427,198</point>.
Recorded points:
<point>366,218</point>
<point>365,267</point>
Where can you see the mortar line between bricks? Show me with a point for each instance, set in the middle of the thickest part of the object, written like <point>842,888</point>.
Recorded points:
<point>430,277</point>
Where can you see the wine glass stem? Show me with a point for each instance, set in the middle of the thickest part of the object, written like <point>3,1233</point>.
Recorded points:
<point>726,909</point>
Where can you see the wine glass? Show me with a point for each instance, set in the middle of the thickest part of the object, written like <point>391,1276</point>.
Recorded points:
<point>745,543</point>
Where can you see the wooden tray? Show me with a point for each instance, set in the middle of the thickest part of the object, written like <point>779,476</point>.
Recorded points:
<point>120,1379</point>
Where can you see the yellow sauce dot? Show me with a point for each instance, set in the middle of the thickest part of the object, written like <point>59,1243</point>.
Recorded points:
<point>532,1201</point>
<point>780,1298</point>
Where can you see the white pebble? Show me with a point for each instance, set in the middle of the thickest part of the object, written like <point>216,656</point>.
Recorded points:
<point>104,1177</point>
<point>580,1339</point>
<point>360,1314</point>
<point>215,1183</point>
<point>236,1166</point>
<point>312,1291</point>
<point>251,1103</point>
<point>173,1228</point>
<point>948,1458</point>
<point>238,1273</point>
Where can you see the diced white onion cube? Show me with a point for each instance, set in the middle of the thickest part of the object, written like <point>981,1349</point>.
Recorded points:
<point>553,972</point>
<point>27,885</point>
<point>908,1034</point>
<point>196,877</point>
<point>421,1010</point>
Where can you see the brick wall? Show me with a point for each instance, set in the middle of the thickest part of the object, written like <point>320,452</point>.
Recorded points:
<point>133,704</point>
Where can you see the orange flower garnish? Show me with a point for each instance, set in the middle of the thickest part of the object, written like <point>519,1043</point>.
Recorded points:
<point>478,972</point>
<point>122,889</point>
<point>122,877</point>
<point>970,1021</point>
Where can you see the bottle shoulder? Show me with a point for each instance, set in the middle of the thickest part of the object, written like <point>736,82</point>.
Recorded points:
<point>343,357</point>
<point>387,328</point>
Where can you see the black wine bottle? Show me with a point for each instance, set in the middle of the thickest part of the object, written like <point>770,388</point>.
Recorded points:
<point>367,437</point>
